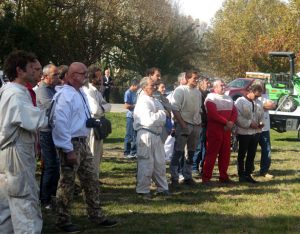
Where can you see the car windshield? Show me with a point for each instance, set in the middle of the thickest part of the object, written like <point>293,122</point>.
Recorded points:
<point>239,83</point>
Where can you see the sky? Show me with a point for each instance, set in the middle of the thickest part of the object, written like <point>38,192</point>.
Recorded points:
<point>204,10</point>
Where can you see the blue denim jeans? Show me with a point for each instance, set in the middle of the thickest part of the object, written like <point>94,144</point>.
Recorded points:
<point>265,144</point>
<point>50,169</point>
<point>130,138</point>
<point>200,150</point>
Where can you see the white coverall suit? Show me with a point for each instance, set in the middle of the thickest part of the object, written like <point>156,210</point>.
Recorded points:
<point>96,103</point>
<point>19,120</point>
<point>149,120</point>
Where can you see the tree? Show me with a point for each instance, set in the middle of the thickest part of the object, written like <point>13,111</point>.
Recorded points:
<point>122,34</point>
<point>243,33</point>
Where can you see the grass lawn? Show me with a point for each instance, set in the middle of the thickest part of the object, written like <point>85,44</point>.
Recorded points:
<point>267,207</point>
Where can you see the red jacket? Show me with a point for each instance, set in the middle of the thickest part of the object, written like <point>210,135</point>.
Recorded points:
<point>220,109</point>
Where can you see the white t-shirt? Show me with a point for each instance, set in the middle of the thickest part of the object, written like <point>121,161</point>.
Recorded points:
<point>264,98</point>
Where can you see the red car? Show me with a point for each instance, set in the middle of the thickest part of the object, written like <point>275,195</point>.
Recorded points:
<point>238,87</point>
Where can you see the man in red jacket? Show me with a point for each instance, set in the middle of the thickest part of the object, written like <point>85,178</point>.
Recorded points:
<point>221,116</point>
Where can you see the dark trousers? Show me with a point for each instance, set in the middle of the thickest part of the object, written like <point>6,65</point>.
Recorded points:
<point>50,169</point>
<point>106,94</point>
<point>247,148</point>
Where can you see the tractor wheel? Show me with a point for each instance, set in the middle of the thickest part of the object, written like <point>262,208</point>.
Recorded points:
<point>287,104</point>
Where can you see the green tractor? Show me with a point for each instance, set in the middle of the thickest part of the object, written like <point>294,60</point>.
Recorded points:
<point>283,88</point>
<point>290,88</point>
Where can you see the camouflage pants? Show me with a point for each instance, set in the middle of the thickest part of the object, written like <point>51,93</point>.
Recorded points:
<point>88,180</point>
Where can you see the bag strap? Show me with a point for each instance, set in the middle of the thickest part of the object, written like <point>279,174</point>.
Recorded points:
<point>86,108</point>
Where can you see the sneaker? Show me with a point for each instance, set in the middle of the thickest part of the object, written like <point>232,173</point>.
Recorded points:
<point>108,223</point>
<point>129,156</point>
<point>196,173</point>
<point>70,228</point>
<point>267,176</point>
<point>181,178</point>
<point>48,207</point>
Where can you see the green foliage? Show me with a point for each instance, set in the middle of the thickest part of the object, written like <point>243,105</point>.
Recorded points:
<point>124,35</point>
<point>244,32</point>
<point>12,35</point>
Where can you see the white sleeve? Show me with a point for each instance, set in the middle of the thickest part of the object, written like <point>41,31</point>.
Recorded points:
<point>243,119</point>
<point>177,99</point>
<point>61,131</point>
<point>145,115</point>
<point>94,97</point>
<point>26,115</point>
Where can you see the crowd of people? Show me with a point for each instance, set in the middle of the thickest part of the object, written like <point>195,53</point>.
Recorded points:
<point>204,119</point>
<point>51,109</point>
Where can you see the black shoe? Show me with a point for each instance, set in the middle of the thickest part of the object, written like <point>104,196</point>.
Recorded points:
<point>108,223</point>
<point>250,179</point>
<point>145,196</point>
<point>164,193</point>
<point>242,179</point>
<point>174,184</point>
<point>189,182</point>
<point>226,181</point>
<point>70,228</point>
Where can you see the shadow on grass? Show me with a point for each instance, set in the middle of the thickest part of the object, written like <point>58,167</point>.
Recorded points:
<point>280,150</point>
<point>283,160</point>
<point>187,197</point>
<point>114,140</point>
<point>283,172</point>
<point>287,139</point>
<point>128,197</point>
<point>197,221</point>
<point>187,194</point>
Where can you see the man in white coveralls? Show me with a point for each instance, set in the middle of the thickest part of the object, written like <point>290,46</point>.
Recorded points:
<point>149,119</point>
<point>19,120</point>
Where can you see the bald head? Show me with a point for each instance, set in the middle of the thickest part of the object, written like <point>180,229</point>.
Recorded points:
<point>76,66</point>
<point>77,74</point>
